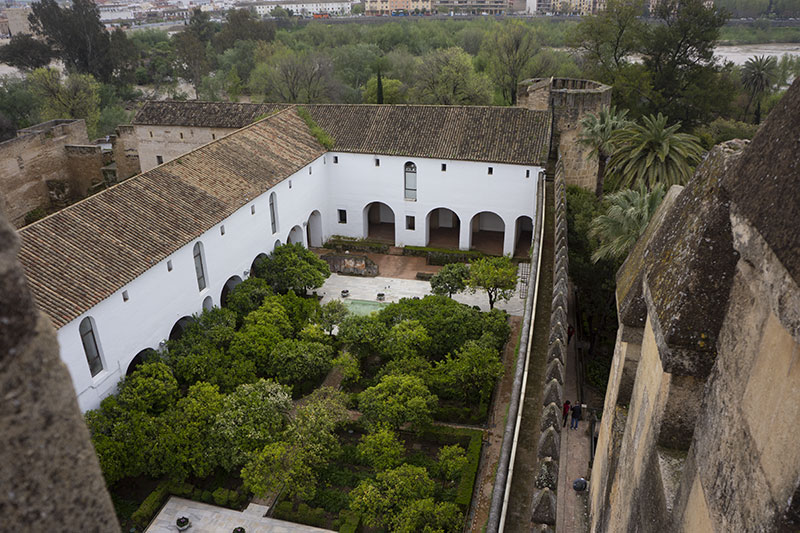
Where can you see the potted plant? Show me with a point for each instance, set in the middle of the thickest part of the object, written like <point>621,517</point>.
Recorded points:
<point>238,529</point>
<point>183,523</point>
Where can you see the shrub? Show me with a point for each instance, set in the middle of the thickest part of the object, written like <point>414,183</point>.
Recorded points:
<point>221,496</point>
<point>34,215</point>
<point>207,496</point>
<point>350,522</point>
<point>197,494</point>
<point>150,506</point>
<point>442,256</point>
<point>283,511</point>
<point>181,489</point>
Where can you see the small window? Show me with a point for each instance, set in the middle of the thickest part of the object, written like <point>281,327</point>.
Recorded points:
<point>410,223</point>
<point>377,162</point>
<point>336,160</point>
<point>273,212</point>
<point>213,136</point>
<point>309,170</point>
<point>151,134</point>
<point>290,184</point>
<point>491,171</point>
<point>444,167</point>
<point>159,160</point>
<point>222,230</point>
<point>169,265</point>
<point>252,209</point>
<point>527,173</point>
<point>125,297</point>
<point>199,267</point>
<point>342,216</point>
<point>181,134</point>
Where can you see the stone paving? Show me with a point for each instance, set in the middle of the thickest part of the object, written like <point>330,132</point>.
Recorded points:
<point>207,518</point>
<point>394,289</point>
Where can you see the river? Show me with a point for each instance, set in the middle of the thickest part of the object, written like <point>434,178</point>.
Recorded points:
<point>741,53</point>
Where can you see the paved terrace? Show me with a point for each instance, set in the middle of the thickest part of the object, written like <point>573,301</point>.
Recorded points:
<point>362,288</point>
<point>207,518</point>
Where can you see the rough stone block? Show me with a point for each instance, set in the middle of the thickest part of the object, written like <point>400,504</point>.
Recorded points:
<point>544,507</point>
<point>551,417</point>
<point>555,370</point>
<point>550,443</point>
<point>556,351</point>
<point>552,393</point>
<point>547,476</point>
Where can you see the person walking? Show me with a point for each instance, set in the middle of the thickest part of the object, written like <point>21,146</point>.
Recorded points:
<point>565,413</point>
<point>576,416</point>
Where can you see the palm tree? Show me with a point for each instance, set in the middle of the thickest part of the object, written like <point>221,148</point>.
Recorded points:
<point>759,74</point>
<point>625,220</point>
<point>652,152</point>
<point>596,131</point>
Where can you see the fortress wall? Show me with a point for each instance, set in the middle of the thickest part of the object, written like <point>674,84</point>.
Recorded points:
<point>30,160</point>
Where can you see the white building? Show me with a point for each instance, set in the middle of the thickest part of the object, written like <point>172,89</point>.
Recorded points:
<point>122,271</point>
<point>298,7</point>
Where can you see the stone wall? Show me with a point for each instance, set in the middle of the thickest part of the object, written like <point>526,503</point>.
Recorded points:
<point>48,468</point>
<point>354,265</point>
<point>84,164</point>
<point>709,302</point>
<point>126,152</point>
<point>569,100</point>
<point>546,481</point>
<point>31,160</point>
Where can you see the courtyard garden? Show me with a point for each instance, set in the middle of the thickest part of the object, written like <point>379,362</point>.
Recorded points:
<point>334,418</point>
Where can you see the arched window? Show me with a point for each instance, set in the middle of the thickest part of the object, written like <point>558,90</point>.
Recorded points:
<point>273,212</point>
<point>199,266</point>
<point>89,341</point>
<point>411,181</point>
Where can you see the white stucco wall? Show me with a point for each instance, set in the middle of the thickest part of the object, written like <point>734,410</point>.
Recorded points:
<point>159,298</point>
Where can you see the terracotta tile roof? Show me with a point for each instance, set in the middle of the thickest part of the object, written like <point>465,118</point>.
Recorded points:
<point>81,255</point>
<point>203,114</point>
<point>472,133</point>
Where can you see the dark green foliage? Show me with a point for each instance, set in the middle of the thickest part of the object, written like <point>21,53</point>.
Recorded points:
<point>451,279</point>
<point>150,506</point>
<point>471,372</point>
<point>292,267</point>
<point>151,388</point>
<point>363,335</point>
<point>300,310</point>
<point>349,522</point>
<point>340,244</point>
<point>442,256</point>
<point>322,136</point>
<point>332,500</point>
<point>293,361</point>
<point>397,400</point>
<point>247,296</point>
<point>448,323</point>
<point>221,496</point>
<point>26,53</point>
<point>34,215</point>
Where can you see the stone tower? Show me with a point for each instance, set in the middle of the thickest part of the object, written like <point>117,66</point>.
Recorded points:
<point>569,100</point>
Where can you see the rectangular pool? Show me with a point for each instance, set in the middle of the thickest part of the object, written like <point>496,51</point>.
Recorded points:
<point>363,307</point>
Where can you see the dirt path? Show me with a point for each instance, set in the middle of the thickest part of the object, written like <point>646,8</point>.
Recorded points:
<point>493,439</point>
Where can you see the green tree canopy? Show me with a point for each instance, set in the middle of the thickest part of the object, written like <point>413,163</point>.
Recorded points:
<point>293,361</point>
<point>247,296</point>
<point>407,339</point>
<point>447,77</point>
<point>331,315</point>
<point>77,96</point>
<point>596,132</point>
<point>510,48</point>
<point>759,75</point>
<point>363,335</point>
<point>651,152</point>
<point>151,388</point>
<point>397,400</point>
<point>381,449</point>
<point>292,267</point>
<point>394,91</point>
<point>629,211</point>
<point>381,500</point>
<point>495,275</point>
<point>450,464</point>
<point>471,372</point>
<point>26,53</point>
<point>450,280</point>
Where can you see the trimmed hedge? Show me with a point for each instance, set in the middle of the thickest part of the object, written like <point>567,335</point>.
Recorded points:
<point>340,244</point>
<point>304,514</point>
<point>349,522</point>
<point>150,506</point>
<point>448,435</point>
<point>442,256</point>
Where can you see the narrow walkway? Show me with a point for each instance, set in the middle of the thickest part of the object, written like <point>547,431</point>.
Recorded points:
<point>572,515</point>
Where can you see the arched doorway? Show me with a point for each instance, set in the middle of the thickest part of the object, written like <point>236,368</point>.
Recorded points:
<point>444,228</point>
<point>523,236</point>
<point>277,243</point>
<point>258,258</point>
<point>487,233</point>
<point>208,303</point>
<point>314,230</point>
<point>379,222</point>
<point>296,236</point>
<point>232,282</point>
<point>180,327</point>
<point>142,357</point>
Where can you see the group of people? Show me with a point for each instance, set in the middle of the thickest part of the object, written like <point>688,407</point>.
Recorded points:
<point>576,411</point>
